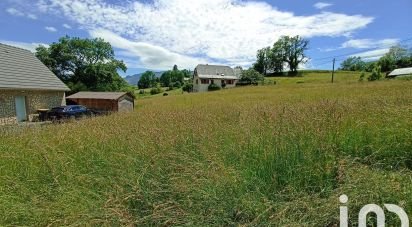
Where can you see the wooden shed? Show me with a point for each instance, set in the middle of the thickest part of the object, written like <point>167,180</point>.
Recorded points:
<point>104,101</point>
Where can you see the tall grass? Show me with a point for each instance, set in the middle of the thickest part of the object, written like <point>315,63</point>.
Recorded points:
<point>274,155</point>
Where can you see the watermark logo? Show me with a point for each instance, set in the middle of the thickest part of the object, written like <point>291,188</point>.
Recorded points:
<point>371,208</point>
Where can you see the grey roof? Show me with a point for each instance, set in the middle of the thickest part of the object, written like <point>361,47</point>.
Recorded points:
<point>20,69</point>
<point>403,71</point>
<point>97,95</point>
<point>215,72</point>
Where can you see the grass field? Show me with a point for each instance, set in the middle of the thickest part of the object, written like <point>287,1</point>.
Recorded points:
<point>268,155</point>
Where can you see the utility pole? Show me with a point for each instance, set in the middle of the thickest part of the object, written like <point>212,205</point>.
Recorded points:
<point>333,70</point>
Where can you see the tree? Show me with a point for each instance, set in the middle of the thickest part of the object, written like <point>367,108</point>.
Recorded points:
<point>84,64</point>
<point>353,64</point>
<point>387,63</point>
<point>165,78</point>
<point>262,64</point>
<point>293,51</point>
<point>286,51</point>
<point>174,76</point>
<point>277,57</point>
<point>397,57</point>
<point>147,80</point>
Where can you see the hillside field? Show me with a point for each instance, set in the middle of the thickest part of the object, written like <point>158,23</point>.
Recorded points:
<point>276,155</point>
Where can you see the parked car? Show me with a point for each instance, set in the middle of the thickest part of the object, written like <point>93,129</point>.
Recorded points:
<point>71,111</point>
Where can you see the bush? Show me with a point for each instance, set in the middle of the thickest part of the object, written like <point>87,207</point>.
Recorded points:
<point>362,76</point>
<point>188,87</point>
<point>250,76</point>
<point>376,74</point>
<point>142,92</point>
<point>213,87</point>
<point>174,85</point>
<point>156,90</point>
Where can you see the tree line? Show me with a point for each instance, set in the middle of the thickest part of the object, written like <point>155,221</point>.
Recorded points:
<point>172,78</point>
<point>397,57</point>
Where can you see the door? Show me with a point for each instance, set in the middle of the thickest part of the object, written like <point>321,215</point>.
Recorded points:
<point>21,113</point>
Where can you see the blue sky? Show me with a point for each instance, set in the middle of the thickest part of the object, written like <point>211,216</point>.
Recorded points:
<point>158,34</point>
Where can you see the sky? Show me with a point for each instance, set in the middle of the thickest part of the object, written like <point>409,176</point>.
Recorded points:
<point>157,34</point>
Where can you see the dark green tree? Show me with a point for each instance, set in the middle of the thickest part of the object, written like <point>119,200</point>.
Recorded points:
<point>287,50</point>
<point>353,64</point>
<point>84,64</point>
<point>147,80</point>
<point>293,51</point>
<point>263,61</point>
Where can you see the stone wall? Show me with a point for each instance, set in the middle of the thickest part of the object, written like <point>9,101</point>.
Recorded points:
<point>34,100</point>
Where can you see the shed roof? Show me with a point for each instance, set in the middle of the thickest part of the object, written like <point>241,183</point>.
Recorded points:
<point>215,72</point>
<point>402,71</point>
<point>97,95</point>
<point>20,69</point>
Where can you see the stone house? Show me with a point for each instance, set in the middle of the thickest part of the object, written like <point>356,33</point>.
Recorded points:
<point>222,76</point>
<point>26,85</point>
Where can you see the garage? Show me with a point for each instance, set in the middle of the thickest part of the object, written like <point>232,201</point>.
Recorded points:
<point>103,101</point>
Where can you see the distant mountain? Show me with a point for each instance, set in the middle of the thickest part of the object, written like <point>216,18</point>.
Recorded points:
<point>133,79</point>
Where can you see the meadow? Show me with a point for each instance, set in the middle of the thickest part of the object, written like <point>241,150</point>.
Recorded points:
<point>276,155</point>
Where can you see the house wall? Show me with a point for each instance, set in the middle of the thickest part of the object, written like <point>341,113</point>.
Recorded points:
<point>97,104</point>
<point>126,104</point>
<point>34,100</point>
<point>199,87</point>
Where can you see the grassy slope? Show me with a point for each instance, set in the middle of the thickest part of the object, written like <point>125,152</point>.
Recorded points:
<point>257,155</point>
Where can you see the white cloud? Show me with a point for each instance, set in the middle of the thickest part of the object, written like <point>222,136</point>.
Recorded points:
<point>31,16</point>
<point>28,46</point>
<point>50,29</point>
<point>149,55</point>
<point>372,55</point>
<point>15,12</point>
<point>227,31</point>
<point>18,13</point>
<point>322,5</point>
<point>67,26</point>
<point>369,43</point>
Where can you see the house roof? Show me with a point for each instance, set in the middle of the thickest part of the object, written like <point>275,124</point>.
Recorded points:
<point>215,72</point>
<point>20,69</point>
<point>403,71</point>
<point>97,95</point>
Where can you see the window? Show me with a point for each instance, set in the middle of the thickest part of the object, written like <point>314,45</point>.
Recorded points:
<point>229,82</point>
<point>205,81</point>
<point>212,82</point>
<point>197,81</point>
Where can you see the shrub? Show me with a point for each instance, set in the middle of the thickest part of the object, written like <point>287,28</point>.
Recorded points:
<point>188,87</point>
<point>142,92</point>
<point>362,76</point>
<point>376,74</point>
<point>156,90</point>
<point>176,84</point>
<point>213,87</point>
<point>250,76</point>
<point>223,84</point>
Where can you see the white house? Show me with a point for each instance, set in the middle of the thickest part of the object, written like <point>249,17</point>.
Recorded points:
<point>222,76</point>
